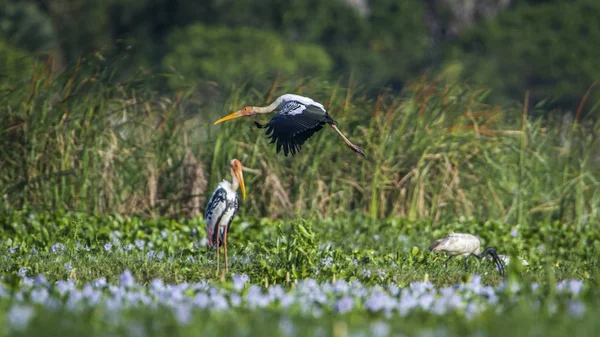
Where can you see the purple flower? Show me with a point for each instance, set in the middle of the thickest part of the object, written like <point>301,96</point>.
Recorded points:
<point>575,286</point>
<point>150,254</point>
<point>235,300</point>
<point>108,247</point>
<point>18,316</point>
<point>40,280</point>
<point>576,308</point>
<point>201,300</point>
<point>239,281</point>
<point>100,283</point>
<point>127,279</point>
<point>514,232</point>
<point>344,305</point>
<point>139,243</point>
<point>160,255</point>
<point>39,295</point>
<point>56,248</point>
<point>68,267</point>
<point>22,272</point>
<point>64,287</point>
<point>183,314</point>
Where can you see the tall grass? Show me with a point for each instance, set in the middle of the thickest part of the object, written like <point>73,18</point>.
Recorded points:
<point>83,140</point>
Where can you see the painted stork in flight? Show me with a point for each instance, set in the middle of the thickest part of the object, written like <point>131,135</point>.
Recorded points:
<point>466,245</point>
<point>296,120</point>
<point>221,208</point>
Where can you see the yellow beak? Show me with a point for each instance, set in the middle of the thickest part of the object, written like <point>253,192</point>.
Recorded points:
<point>240,178</point>
<point>236,114</point>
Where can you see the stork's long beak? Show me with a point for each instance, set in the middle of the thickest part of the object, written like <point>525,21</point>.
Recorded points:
<point>240,178</point>
<point>236,114</point>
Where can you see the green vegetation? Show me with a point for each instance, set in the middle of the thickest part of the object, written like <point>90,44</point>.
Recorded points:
<point>83,141</point>
<point>88,250</point>
<point>109,154</point>
<point>226,55</point>
<point>380,252</point>
<point>551,51</point>
<point>547,47</point>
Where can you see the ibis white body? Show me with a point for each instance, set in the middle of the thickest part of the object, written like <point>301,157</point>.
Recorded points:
<point>463,244</point>
<point>457,244</point>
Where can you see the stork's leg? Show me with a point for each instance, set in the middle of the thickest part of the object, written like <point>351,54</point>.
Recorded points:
<point>349,143</point>
<point>217,252</point>
<point>225,247</point>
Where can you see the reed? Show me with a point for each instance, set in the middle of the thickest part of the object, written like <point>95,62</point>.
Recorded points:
<point>84,140</point>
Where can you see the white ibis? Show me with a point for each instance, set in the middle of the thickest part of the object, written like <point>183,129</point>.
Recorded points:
<point>297,119</point>
<point>466,245</point>
<point>221,207</point>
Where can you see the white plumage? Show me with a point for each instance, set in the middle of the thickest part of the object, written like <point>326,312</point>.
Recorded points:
<point>457,244</point>
<point>463,244</point>
<point>221,207</point>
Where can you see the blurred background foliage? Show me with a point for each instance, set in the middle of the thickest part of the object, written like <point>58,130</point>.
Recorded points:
<point>467,109</point>
<point>548,47</point>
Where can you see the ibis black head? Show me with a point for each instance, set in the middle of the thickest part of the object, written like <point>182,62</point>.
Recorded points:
<point>491,251</point>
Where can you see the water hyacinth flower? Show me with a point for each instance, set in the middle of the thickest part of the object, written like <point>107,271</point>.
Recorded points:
<point>127,279</point>
<point>40,280</point>
<point>18,316</point>
<point>344,305</point>
<point>576,309</point>
<point>575,287</point>
<point>22,272</point>
<point>183,314</point>
<point>68,266</point>
<point>57,248</point>
<point>108,247</point>
<point>139,243</point>
<point>514,232</point>
<point>239,281</point>
<point>160,255</point>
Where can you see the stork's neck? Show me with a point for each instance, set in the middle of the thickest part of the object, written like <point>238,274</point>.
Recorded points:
<point>235,184</point>
<point>268,108</point>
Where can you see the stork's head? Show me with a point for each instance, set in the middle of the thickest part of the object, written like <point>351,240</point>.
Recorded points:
<point>236,172</point>
<point>246,111</point>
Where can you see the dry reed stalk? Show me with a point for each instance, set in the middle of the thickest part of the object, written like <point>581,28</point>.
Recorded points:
<point>279,203</point>
<point>195,183</point>
<point>151,183</point>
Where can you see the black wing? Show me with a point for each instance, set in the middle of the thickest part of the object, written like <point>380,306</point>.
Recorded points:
<point>217,204</point>
<point>294,124</point>
<point>235,206</point>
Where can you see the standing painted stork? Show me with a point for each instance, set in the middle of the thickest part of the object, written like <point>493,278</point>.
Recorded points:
<point>466,245</point>
<point>221,208</point>
<point>297,119</point>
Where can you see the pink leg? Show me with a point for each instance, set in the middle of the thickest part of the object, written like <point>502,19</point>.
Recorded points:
<point>225,247</point>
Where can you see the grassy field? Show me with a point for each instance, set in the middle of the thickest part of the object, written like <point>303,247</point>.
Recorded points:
<point>103,184</point>
<point>110,275</point>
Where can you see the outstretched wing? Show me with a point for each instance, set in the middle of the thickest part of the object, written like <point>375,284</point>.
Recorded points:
<point>294,124</point>
<point>216,207</point>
